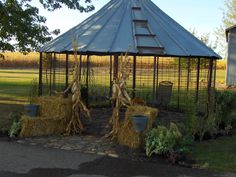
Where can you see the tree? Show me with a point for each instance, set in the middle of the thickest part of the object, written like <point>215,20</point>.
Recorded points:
<point>205,38</point>
<point>229,16</point>
<point>229,19</point>
<point>22,28</point>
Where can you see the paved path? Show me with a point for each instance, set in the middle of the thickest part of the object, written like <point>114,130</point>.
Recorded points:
<point>19,160</point>
<point>85,144</point>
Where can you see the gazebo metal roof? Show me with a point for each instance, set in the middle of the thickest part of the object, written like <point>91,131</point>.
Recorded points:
<point>136,24</point>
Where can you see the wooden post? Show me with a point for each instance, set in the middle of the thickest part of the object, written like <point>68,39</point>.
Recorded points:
<point>215,68</point>
<point>198,78</point>
<point>67,70</point>
<point>87,82</point>
<point>179,75</point>
<point>154,77</point>
<point>157,77</point>
<point>134,76</point>
<point>111,80</point>
<point>50,86</point>
<point>188,74</point>
<point>54,72</point>
<point>210,79</point>
<point>115,66</point>
<point>40,86</point>
<point>80,66</point>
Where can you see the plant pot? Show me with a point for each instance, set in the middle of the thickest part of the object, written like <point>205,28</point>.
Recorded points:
<point>139,123</point>
<point>31,110</point>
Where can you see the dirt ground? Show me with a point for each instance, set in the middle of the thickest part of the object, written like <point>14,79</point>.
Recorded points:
<point>99,124</point>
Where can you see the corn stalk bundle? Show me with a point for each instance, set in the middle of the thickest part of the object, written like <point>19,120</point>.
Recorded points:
<point>120,96</point>
<point>75,125</point>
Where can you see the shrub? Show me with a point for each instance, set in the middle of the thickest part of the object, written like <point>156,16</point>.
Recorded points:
<point>217,118</point>
<point>192,120</point>
<point>164,141</point>
<point>226,103</point>
<point>16,125</point>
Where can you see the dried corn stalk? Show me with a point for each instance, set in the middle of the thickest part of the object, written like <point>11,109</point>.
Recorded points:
<point>120,96</point>
<point>75,126</point>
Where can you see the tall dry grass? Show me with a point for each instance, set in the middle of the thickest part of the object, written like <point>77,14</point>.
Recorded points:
<point>31,60</point>
<point>221,64</point>
<point>19,60</point>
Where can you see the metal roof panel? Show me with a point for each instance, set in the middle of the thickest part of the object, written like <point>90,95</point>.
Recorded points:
<point>117,25</point>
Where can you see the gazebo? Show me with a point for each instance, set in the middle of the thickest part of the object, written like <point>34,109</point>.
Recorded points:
<point>158,47</point>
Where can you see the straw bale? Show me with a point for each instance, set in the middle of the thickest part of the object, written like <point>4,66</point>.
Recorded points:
<point>126,134</point>
<point>54,111</point>
<point>41,126</point>
<point>55,107</point>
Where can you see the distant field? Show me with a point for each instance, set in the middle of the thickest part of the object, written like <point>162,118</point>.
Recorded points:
<point>19,60</point>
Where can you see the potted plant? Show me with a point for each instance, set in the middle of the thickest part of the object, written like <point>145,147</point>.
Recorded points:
<point>139,122</point>
<point>31,109</point>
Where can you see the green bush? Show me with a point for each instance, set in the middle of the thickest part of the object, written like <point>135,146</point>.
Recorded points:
<point>15,126</point>
<point>191,123</point>
<point>163,141</point>
<point>217,118</point>
<point>226,104</point>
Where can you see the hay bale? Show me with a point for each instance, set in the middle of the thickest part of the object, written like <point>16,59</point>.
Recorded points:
<point>54,111</point>
<point>41,126</point>
<point>55,107</point>
<point>150,112</point>
<point>126,134</point>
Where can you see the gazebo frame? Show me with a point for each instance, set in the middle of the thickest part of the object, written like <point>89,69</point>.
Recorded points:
<point>191,73</point>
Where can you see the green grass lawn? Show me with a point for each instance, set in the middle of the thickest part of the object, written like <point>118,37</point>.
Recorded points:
<point>15,84</point>
<point>219,154</point>
<point>14,90</point>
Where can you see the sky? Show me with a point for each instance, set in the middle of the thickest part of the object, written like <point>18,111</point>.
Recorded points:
<point>202,15</point>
